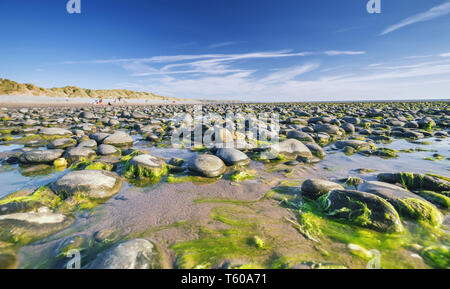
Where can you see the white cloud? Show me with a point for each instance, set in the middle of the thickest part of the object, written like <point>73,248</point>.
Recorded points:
<point>413,81</point>
<point>435,12</point>
<point>223,44</point>
<point>191,64</point>
<point>445,54</point>
<point>288,74</point>
<point>337,52</point>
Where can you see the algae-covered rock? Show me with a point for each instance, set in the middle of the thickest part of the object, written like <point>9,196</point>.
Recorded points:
<point>79,154</point>
<point>207,165</point>
<point>145,166</point>
<point>386,191</point>
<point>30,201</point>
<point>132,254</point>
<point>362,209</point>
<point>437,256</point>
<point>406,203</point>
<point>419,210</point>
<point>96,184</point>
<point>62,143</point>
<point>440,200</point>
<point>355,144</point>
<point>414,181</point>
<point>26,227</point>
<point>314,188</point>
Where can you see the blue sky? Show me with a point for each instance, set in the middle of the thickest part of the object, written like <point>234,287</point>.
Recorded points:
<point>257,50</point>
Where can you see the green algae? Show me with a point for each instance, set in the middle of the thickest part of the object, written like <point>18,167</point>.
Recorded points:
<point>387,153</point>
<point>437,256</point>
<point>408,180</point>
<point>435,198</point>
<point>429,126</point>
<point>258,242</point>
<point>99,166</point>
<point>366,171</point>
<point>439,177</point>
<point>80,165</point>
<point>215,245</point>
<point>315,225</point>
<point>43,196</point>
<point>174,179</point>
<point>420,210</point>
<point>353,181</point>
<point>240,176</point>
<point>143,176</point>
<point>429,159</point>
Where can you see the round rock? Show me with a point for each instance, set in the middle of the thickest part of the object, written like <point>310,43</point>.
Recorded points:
<point>119,139</point>
<point>40,156</point>
<point>132,254</point>
<point>96,184</point>
<point>207,165</point>
<point>314,188</point>
<point>232,156</point>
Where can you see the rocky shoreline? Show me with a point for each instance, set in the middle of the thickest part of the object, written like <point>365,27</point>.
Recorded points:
<point>329,185</point>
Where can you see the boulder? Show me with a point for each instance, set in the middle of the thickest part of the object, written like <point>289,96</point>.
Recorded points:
<point>291,149</point>
<point>119,139</point>
<point>79,154</point>
<point>40,156</point>
<point>132,254</point>
<point>95,184</point>
<point>62,143</point>
<point>26,227</point>
<point>362,209</point>
<point>232,156</point>
<point>314,188</point>
<point>415,181</point>
<point>207,165</point>
<point>55,132</point>
<point>108,150</point>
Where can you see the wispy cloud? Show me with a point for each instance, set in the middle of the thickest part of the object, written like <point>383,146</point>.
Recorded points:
<point>190,64</point>
<point>223,44</point>
<point>435,12</point>
<point>413,81</point>
<point>338,52</point>
<point>288,74</point>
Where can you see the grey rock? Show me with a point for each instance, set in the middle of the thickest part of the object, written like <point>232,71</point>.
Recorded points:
<point>314,188</point>
<point>207,165</point>
<point>132,254</point>
<point>119,139</point>
<point>96,184</point>
<point>40,156</point>
<point>232,156</point>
